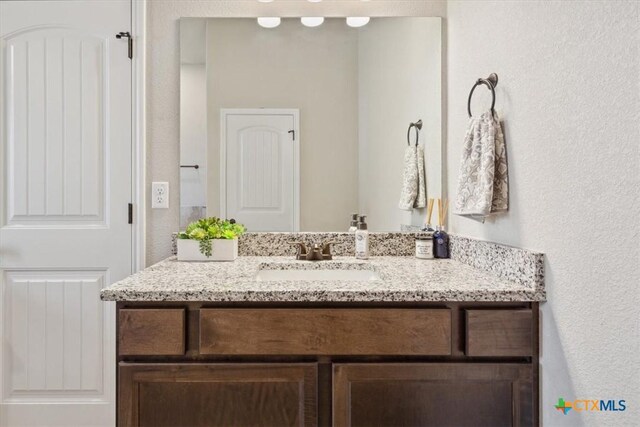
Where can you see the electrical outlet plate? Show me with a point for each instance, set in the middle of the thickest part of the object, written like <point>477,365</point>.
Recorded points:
<point>159,195</point>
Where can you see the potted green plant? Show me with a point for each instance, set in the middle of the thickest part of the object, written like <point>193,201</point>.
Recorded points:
<point>210,239</point>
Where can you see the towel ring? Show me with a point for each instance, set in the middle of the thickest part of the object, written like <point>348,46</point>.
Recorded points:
<point>491,82</point>
<point>418,126</point>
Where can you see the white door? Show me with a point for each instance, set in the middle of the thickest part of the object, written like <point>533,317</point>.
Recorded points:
<point>260,168</point>
<point>65,178</point>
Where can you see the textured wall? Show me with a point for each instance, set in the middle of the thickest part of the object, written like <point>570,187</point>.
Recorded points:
<point>163,78</point>
<point>569,94</point>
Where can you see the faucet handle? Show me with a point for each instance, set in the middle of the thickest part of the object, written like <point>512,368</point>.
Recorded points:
<point>326,248</point>
<point>301,249</point>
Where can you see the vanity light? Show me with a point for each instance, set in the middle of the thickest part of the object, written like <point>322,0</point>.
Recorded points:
<point>357,21</point>
<point>269,22</point>
<point>265,1</point>
<point>314,1</point>
<point>312,21</point>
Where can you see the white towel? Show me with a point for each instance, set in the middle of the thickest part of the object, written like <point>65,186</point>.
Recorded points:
<point>414,183</point>
<point>483,184</point>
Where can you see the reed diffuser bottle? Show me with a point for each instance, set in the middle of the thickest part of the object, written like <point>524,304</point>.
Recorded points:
<point>427,224</point>
<point>440,237</point>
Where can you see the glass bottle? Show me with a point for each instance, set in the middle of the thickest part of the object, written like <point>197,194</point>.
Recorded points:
<point>440,243</point>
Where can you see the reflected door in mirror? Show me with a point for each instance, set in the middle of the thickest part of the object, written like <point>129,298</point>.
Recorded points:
<point>259,185</point>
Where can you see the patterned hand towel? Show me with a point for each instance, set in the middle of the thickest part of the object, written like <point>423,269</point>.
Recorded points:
<point>483,184</point>
<point>421,198</point>
<point>414,183</point>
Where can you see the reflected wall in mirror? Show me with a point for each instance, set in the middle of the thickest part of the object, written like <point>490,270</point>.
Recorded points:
<point>295,128</point>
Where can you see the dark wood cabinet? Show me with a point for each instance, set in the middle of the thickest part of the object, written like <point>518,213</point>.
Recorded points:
<point>434,394</point>
<point>151,332</point>
<point>499,333</point>
<point>210,394</point>
<point>304,364</point>
<point>311,331</point>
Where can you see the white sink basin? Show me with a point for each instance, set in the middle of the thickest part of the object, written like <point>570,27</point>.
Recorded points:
<point>319,275</point>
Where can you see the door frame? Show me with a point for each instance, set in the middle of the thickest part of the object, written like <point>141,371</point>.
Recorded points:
<point>138,134</point>
<point>224,112</point>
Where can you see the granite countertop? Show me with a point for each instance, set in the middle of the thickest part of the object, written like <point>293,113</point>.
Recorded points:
<point>402,278</point>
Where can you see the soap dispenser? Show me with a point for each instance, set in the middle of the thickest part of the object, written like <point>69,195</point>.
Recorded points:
<point>354,223</point>
<point>362,239</point>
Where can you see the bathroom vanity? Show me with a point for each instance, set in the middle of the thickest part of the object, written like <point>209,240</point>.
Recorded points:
<point>272,340</point>
<point>277,364</point>
<point>413,342</point>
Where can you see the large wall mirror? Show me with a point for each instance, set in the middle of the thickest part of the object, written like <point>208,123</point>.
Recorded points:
<point>295,128</point>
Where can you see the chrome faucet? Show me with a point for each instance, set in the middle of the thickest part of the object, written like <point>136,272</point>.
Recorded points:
<point>316,253</point>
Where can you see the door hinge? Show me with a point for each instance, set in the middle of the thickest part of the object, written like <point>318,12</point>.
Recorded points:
<point>293,133</point>
<point>130,213</point>
<point>127,35</point>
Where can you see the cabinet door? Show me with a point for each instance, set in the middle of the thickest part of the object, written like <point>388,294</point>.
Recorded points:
<point>209,394</point>
<point>435,394</point>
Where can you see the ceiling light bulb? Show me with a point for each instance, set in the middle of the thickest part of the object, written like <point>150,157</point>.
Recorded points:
<point>357,21</point>
<point>312,21</point>
<point>265,1</point>
<point>269,22</point>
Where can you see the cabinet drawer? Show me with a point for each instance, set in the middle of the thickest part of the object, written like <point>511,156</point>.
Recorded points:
<point>151,332</point>
<point>325,331</point>
<point>499,333</point>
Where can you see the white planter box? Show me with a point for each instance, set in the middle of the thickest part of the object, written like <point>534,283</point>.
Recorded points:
<point>221,250</point>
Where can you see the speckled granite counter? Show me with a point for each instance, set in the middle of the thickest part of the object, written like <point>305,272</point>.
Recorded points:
<point>401,279</point>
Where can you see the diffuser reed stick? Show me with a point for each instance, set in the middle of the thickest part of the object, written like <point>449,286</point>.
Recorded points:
<point>439,212</point>
<point>429,211</point>
<point>444,212</point>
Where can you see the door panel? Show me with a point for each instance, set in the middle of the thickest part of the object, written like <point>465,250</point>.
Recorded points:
<point>56,144</point>
<point>261,170</point>
<point>65,151</point>
<point>54,321</point>
<point>261,179</point>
